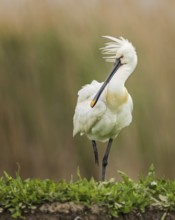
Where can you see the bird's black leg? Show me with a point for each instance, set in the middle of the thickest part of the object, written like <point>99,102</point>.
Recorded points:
<point>94,145</point>
<point>105,158</point>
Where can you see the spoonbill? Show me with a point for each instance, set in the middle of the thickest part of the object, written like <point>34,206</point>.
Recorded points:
<point>103,109</point>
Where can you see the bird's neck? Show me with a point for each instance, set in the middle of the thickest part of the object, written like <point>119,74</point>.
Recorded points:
<point>116,92</point>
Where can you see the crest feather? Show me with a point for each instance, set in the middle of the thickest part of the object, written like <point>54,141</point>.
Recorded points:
<point>112,47</point>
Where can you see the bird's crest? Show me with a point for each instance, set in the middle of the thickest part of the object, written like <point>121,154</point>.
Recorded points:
<point>111,48</point>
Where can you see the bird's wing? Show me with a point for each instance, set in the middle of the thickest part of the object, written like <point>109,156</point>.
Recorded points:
<point>85,116</point>
<point>89,90</point>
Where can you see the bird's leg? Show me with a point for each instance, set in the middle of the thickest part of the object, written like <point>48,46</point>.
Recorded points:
<point>94,145</point>
<point>105,158</point>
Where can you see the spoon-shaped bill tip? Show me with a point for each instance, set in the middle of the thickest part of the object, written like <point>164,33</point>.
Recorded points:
<point>92,104</point>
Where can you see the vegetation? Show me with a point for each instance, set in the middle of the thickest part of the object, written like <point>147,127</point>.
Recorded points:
<point>19,196</point>
<point>48,50</point>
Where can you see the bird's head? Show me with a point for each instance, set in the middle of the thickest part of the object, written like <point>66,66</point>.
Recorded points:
<point>120,49</point>
<point>122,53</point>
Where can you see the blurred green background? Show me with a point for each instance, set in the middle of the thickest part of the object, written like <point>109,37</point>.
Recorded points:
<point>48,50</point>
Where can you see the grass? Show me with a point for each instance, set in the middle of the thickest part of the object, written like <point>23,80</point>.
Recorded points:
<point>17,195</point>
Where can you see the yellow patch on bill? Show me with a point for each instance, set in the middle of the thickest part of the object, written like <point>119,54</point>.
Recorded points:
<point>92,103</point>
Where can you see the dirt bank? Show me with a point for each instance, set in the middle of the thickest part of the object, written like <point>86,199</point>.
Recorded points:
<point>71,211</point>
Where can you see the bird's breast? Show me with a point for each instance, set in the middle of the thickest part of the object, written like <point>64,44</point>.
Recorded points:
<point>115,100</point>
<point>118,115</point>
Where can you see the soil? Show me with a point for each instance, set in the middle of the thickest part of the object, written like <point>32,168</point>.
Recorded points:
<point>71,211</point>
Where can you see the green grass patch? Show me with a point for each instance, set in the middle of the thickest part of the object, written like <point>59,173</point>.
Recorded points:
<point>18,195</point>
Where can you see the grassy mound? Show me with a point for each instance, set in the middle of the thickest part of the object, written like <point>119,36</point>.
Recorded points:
<point>24,196</point>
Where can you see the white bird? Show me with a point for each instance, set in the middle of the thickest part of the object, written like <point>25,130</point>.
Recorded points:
<point>103,109</point>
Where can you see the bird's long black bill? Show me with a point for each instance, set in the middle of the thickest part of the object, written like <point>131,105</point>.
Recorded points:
<point>97,96</point>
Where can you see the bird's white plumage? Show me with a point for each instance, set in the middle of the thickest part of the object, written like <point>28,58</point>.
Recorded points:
<point>113,110</point>
<point>111,48</point>
<point>84,117</point>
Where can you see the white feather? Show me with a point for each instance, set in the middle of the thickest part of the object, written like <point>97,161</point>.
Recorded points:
<point>113,110</point>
